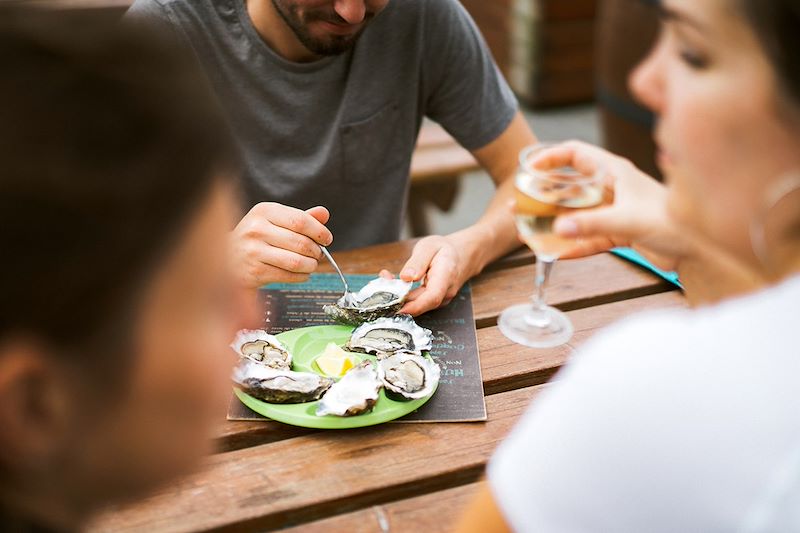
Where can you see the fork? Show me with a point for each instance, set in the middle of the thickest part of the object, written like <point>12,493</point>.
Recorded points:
<point>329,257</point>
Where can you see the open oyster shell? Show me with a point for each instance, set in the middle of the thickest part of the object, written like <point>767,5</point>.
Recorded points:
<point>356,393</point>
<point>408,376</point>
<point>387,336</point>
<point>379,298</point>
<point>279,386</point>
<point>263,348</point>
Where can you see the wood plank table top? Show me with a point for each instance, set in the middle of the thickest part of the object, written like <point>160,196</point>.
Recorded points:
<point>395,477</point>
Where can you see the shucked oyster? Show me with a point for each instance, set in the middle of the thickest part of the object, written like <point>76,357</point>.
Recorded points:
<point>263,348</point>
<point>279,386</point>
<point>409,376</point>
<point>388,336</point>
<point>379,298</point>
<point>356,393</point>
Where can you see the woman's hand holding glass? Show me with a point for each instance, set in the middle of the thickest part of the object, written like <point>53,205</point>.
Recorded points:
<point>635,214</point>
<point>546,188</point>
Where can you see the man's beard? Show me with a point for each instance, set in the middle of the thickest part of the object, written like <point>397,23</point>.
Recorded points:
<point>333,45</point>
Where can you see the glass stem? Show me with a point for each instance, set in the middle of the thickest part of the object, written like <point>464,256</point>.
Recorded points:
<point>543,269</point>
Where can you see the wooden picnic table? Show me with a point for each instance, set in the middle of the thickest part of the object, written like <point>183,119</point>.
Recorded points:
<point>395,477</point>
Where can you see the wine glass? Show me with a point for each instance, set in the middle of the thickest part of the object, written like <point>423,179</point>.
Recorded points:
<point>544,192</point>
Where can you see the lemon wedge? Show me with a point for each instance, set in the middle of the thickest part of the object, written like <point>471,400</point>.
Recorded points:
<point>335,362</point>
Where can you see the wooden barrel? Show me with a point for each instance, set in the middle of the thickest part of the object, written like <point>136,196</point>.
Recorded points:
<point>544,48</point>
<point>626,31</point>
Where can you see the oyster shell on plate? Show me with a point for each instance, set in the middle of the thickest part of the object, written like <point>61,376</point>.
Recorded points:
<point>408,376</point>
<point>279,386</point>
<point>263,348</point>
<point>387,336</point>
<point>356,393</point>
<point>379,298</point>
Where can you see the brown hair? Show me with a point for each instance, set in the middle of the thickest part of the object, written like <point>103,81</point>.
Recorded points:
<point>109,141</point>
<point>776,22</point>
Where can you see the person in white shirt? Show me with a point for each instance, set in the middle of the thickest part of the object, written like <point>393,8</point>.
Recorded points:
<point>684,420</point>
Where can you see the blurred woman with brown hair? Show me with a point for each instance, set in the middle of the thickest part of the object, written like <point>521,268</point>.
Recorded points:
<point>684,420</point>
<point>116,200</point>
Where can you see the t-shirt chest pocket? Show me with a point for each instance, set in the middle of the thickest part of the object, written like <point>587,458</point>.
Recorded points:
<point>369,146</point>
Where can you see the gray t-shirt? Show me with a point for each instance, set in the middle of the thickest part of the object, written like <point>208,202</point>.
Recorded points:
<point>340,131</point>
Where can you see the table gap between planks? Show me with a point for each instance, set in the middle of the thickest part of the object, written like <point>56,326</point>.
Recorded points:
<point>395,477</point>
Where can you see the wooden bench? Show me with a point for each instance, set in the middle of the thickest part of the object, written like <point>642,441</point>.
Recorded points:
<point>436,168</point>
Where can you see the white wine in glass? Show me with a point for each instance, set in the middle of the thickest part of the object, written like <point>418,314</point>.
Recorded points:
<point>542,195</point>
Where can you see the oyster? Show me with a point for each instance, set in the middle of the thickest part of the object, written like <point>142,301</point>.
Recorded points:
<point>354,394</point>
<point>379,298</point>
<point>388,336</point>
<point>279,386</point>
<point>263,348</point>
<point>408,376</point>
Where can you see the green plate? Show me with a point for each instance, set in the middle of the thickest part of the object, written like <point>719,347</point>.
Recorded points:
<point>306,344</point>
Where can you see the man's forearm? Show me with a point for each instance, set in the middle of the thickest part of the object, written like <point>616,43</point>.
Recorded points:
<point>493,236</point>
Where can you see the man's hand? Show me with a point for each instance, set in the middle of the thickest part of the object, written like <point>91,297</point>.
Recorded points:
<point>436,263</point>
<point>277,243</point>
<point>444,264</point>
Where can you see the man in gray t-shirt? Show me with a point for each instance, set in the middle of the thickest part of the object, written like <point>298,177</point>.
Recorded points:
<point>326,98</point>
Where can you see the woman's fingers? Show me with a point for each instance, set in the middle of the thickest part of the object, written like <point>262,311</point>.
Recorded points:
<point>591,246</point>
<point>583,157</point>
<point>610,222</point>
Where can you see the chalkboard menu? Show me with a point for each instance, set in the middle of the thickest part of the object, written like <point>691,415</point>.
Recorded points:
<point>459,397</point>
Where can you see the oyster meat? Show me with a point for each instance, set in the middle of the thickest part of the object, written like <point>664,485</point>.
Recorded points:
<point>356,393</point>
<point>380,297</point>
<point>279,386</point>
<point>408,376</point>
<point>387,336</point>
<point>263,348</point>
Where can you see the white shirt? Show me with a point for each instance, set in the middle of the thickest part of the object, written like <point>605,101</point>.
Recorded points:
<point>674,421</point>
